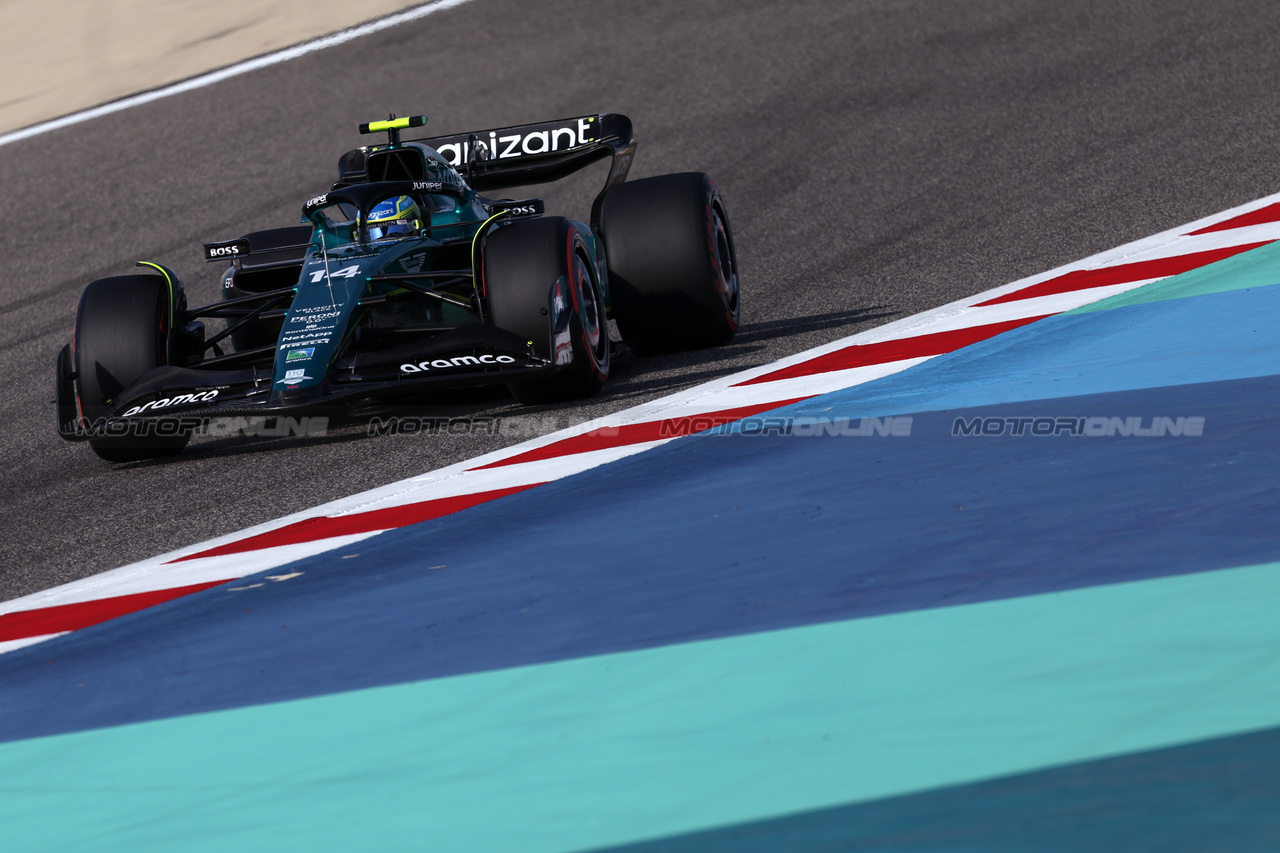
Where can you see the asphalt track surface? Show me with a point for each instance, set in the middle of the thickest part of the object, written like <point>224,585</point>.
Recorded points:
<point>878,159</point>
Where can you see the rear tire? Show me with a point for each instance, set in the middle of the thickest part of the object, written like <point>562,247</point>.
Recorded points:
<point>522,264</point>
<point>673,272</point>
<point>122,330</point>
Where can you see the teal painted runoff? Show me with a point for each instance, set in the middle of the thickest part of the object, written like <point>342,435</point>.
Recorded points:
<point>597,751</point>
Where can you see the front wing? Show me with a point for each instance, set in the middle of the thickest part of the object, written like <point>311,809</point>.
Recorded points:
<point>167,400</point>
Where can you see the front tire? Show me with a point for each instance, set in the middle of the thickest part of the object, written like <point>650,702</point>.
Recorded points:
<point>122,330</point>
<point>673,271</point>
<point>524,264</point>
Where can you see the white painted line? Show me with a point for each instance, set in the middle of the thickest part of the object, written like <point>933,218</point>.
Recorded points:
<point>14,645</point>
<point>814,384</point>
<point>144,577</point>
<point>1190,244</point>
<point>230,71</point>
<point>1175,241</point>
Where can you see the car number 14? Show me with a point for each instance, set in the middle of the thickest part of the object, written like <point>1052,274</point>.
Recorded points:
<point>346,272</point>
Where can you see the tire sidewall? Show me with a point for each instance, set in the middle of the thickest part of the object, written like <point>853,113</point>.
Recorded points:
<point>732,308</point>
<point>523,262</point>
<point>595,360</point>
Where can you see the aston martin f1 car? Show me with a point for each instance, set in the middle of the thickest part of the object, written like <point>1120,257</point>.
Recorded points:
<point>403,280</point>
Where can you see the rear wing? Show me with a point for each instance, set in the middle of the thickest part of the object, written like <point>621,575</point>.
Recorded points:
<point>525,154</point>
<point>536,153</point>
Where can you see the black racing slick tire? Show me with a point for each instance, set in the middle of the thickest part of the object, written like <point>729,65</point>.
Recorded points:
<point>673,272</point>
<point>122,328</point>
<point>526,265</point>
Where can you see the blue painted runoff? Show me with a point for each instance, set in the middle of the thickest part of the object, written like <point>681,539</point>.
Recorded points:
<point>709,536</point>
<point>1209,338</point>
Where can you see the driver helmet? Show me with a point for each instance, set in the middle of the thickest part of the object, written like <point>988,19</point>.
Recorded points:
<point>394,217</point>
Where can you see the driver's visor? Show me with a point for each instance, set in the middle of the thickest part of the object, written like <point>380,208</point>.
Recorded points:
<point>393,228</point>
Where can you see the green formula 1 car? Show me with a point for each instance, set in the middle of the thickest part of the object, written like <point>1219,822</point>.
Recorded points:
<point>403,279</point>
